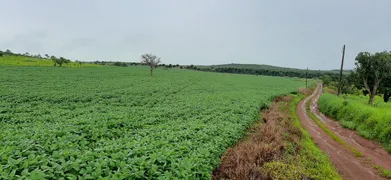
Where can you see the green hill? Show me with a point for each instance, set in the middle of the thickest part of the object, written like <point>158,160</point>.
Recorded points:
<point>21,60</point>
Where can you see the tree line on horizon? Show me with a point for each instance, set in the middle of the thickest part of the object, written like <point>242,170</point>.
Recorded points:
<point>126,64</point>
<point>283,72</point>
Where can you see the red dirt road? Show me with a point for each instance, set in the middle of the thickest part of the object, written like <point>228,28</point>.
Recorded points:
<point>349,166</point>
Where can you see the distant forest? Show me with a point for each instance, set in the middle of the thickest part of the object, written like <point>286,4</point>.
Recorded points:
<point>266,70</point>
<point>252,69</point>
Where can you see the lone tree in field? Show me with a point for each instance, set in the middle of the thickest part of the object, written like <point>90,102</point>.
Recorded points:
<point>60,61</point>
<point>151,60</point>
<point>372,69</point>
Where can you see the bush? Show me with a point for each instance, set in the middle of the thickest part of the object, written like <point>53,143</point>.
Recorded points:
<point>122,64</point>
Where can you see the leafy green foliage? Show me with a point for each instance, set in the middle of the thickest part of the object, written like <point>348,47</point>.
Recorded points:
<point>111,122</point>
<point>352,112</point>
<point>373,68</point>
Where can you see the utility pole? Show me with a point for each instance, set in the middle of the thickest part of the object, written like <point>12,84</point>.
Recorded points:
<point>340,72</point>
<point>306,77</point>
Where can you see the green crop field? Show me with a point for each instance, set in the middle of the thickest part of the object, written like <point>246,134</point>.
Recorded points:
<point>113,122</point>
<point>31,61</point>
<point>372,122</point>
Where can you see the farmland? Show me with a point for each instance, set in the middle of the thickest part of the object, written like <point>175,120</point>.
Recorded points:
<point>12,60</point>
<point>353,112</point>
<point>109,122</point>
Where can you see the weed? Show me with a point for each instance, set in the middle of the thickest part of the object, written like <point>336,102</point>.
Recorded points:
<point>383,172</point>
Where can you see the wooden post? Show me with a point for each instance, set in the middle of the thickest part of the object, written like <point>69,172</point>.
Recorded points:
<point>340,72</point>
<point>306,77</point>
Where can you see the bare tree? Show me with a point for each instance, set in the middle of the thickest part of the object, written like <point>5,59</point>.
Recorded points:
<point>151,60</point>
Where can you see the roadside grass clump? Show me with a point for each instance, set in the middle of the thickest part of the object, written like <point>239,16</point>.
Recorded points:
<point>370,122</point>
<point>383,172</point>
<point>277,147</point>
<point>121,123</point>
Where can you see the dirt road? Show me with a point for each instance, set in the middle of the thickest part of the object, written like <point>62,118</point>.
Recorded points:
<point>350,166</point>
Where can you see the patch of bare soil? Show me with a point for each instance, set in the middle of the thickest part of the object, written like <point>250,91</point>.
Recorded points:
<point>266,142</point>
<point>350,166</point>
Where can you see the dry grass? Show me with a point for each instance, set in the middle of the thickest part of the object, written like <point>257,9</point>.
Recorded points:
<point>305,91</point>
<point>265,144</point>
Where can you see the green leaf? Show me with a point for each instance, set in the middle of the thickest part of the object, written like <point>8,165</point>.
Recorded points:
<point>25,164</point>
<point>25,172</point>
<point>75,167</point>
<point>12,174</point>
<point>37,175</point>
<point>71,176</point>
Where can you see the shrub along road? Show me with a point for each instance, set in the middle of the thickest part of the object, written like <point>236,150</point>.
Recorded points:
<point>343,153</point>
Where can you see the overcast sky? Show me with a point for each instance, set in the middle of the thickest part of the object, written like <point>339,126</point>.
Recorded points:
<point>299,34</point>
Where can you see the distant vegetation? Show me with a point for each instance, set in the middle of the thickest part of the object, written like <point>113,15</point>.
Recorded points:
<point>126,64</point>
<point>27,59</point>
<point>266,70</point>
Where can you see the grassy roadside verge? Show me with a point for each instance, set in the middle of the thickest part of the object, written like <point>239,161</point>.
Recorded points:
<point>370,122</point>
<point>277,147</point>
